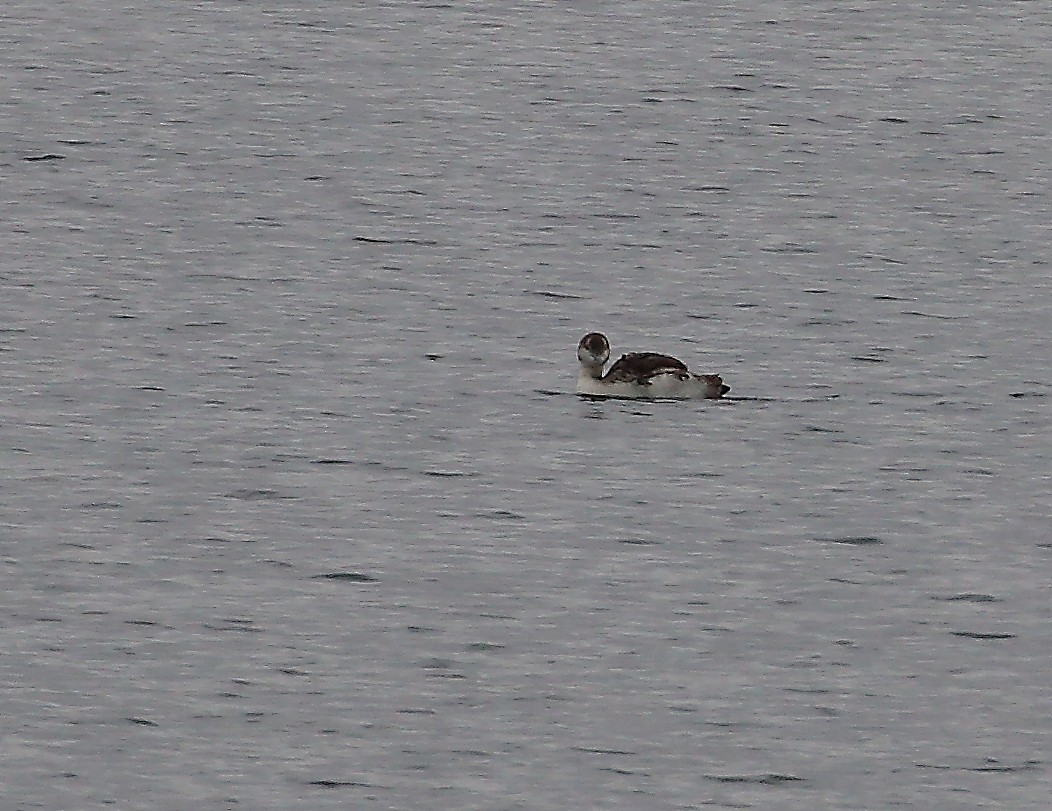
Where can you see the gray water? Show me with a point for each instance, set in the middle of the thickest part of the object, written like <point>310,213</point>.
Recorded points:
<point>298,509</point>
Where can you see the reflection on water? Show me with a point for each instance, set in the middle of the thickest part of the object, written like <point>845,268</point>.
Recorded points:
<point>300,509</point>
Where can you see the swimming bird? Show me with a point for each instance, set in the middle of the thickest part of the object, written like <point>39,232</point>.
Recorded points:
<point>640,374</point>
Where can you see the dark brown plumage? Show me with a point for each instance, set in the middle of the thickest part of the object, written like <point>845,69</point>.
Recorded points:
<point>640,367</point>
<point>640,374</point>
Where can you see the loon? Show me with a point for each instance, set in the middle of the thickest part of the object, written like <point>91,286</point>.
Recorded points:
<point>640,374</point>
